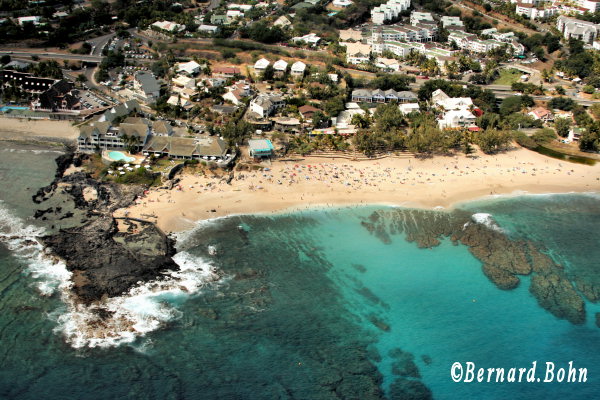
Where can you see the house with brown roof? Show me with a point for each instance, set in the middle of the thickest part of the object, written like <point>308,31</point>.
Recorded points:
<point>307,112</point>
<point>542,114</point>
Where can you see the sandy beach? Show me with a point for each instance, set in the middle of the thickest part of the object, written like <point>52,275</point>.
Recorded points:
<point>323,182</point>
<point>26,129</point>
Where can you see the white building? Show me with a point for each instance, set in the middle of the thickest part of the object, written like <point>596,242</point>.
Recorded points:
<point>146,86</point>
<point>34,19</point>
<point>298,69</point>
<point>577,29</point>
<point>208,28</point>
<point>387,64</point>
<point>282,22</point>
<point>261,65</point>
<point>445,102</point>
<point>388,11</point>
<point>408,108</point>
<point>190,68</point>
<point>266,104</point>
<point>342,3</point>
<point>357,53</point>
<point>420,17</point>
<point>457,119</point>
<point>310,39</point>
<point>280,67</point>
<point>452,22</point>
<point>168,26</point>
<point>420,33</point>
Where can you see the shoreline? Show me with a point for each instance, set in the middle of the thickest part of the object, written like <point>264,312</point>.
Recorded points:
<point>442,181</point>
<point>37,131</point>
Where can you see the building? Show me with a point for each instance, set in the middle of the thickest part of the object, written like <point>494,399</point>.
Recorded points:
<point>457,119</point>
<point>146,87</point>
<point>61,96</point>
<point>218,19</point>
<point>238,92</point>
<point>282,22</point>
<point>34,19</point>
<point>228,72</point>
<point>311,39</point>
<point>403,33</point>
<point>445,102</point>
<point>342,3</point>
<point>307,112</point>
<point>388,11</point>
<point>350,34</point>
<point>387,64</point>
<point>191,68</point>
<point>382,96</point>
<point>199,148</point>
<point>261,65</point>
<point>298,69</point>
<point>420,17</point>
<point>280,67</point>
<point>208,28</point>
<point>408,108</point>
<point>232,15</point>
<point>541,114</point>
<point>265,104</point>
<point>168,26</point>
<point>260,148</point>
<point>577,29</point>
<point>26,81</point>
<point>357,53</point>
<point>452,22</point>
<point>182,82</point>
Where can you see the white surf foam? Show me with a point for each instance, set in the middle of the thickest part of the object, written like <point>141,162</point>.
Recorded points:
<point>144,309</point>
<point>487,220</point>
<point>22,240</point>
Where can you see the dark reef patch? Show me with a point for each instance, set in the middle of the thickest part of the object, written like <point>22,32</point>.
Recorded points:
<point>503,258</point>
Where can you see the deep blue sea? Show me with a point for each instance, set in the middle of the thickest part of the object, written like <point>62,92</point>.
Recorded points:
<point>308,305</point>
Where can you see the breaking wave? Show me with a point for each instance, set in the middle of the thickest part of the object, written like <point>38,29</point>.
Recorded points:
<point>487,220</point>
<point>144,309</point>
<point>117,320</point>
<point>22,240</point>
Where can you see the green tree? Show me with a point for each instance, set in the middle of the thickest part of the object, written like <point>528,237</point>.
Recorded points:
<point>562,126</point>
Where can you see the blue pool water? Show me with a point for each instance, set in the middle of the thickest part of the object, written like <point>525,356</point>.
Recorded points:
<point>6,108</point>
<point>119,156</point>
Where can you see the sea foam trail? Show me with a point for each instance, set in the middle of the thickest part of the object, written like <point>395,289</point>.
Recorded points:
<point>144,309</point>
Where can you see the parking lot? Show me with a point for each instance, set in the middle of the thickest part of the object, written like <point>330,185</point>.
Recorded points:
<point>89,100</point>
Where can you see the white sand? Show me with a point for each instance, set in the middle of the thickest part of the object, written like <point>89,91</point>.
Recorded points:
<point>439,181</point>
<point>25,129</point>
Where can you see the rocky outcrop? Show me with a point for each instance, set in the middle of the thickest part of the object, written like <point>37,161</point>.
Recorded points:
<point>108,262</point>
<point>105,260</point>
<point>503,258</point>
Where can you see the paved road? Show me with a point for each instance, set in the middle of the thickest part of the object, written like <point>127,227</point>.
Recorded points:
<point>99,43</point>
<point>56,56</point>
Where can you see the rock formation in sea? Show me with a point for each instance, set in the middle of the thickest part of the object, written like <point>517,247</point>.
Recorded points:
<point>504,258</point>
<point>106,256</point>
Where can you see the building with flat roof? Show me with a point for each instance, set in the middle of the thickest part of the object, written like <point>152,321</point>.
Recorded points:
<point>260,148</point>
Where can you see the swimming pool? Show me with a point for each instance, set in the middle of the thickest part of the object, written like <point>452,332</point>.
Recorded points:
<point>118,156</point>
<point>6,108</point>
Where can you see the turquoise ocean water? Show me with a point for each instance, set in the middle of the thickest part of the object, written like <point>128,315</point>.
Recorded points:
<point>310,306</point>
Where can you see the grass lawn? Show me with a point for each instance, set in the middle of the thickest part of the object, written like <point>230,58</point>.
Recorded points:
<point>508,77</point>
